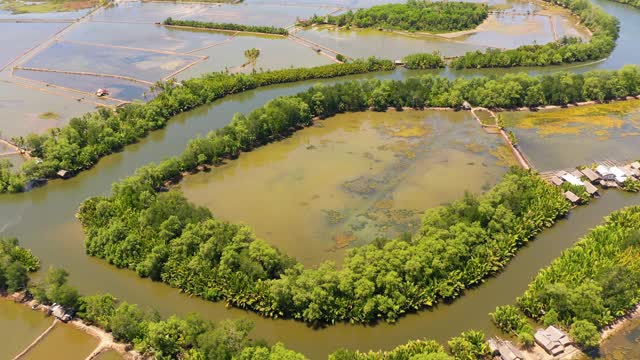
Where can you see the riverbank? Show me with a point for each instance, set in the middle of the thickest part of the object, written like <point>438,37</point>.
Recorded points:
<point>106,340</point>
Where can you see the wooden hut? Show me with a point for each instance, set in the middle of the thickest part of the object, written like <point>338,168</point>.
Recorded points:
<point>573,198</point>
<point>64,174</point>
<point>552,340</point>
<point>466,105</point>
<point>556,180</point>
<point>592,190</point>
<point>635,165</point>
<point>508,351</point>
<point>577,173</point>
<point>60,312</point>
<point>590,174</point>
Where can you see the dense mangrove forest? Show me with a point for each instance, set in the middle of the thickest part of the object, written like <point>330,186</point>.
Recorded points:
<point>592,283</point>
<point>412,16</point>
<point>226,26</point>
<point>605,29</point>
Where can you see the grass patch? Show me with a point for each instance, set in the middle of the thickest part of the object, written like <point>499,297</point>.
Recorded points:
<point>49,115</point>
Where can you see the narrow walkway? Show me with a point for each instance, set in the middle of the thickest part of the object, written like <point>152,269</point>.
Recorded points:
<point>121,77</point>
<point>36,341</point>
<point>517,153</point>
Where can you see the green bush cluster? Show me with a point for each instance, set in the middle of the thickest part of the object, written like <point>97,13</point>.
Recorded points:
<point>594,281</point>
<point>15,263</point>
<point>411,16</point>
<point>605,29</point>
<point>86,139</point>
<point>509,319</point>
<point>226,26</point>
<point>423,61</point>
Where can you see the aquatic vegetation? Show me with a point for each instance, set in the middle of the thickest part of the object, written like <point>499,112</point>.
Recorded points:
<point>49,115</point>
<point>631,185</point>
<point>504,155</point>
<point>424,61</point>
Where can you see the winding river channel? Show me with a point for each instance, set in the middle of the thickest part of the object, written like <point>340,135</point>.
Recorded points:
<point>44,220</point>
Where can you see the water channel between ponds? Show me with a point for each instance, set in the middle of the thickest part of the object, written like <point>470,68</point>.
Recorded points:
<point>44,221</point>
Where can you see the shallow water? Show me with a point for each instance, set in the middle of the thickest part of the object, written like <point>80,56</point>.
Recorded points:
<point>23,37</point>
<point>19,326</point>
<point>64,342</point>
<point>350,179</point>
<point>624,344</point>
<point>566,138</point>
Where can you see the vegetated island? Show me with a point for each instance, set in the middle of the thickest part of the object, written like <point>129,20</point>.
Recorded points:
<point>605,29</point>
<point>226,26</point>
<point>587,290</point>
<point>433,17</point>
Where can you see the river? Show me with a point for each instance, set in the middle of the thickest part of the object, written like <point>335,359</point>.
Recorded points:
<point>44,221</point>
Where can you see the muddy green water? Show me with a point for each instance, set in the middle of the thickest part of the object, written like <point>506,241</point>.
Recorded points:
<point>19,326</point>
<point>64,342</point>
<point>624,344</point>
<point>350,179</point>
<point>44,221</point>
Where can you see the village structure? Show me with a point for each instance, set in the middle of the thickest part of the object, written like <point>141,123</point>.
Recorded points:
<point>608,174</point>
<point>550,343</point>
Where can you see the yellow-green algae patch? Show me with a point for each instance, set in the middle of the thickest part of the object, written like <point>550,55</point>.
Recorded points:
<point>595,119</point>
<point>350,179</point>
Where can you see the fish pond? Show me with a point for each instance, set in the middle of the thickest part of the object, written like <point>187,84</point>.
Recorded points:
<point>352,178</point>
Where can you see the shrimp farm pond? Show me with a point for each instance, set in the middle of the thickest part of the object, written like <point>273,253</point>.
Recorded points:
<point>341,183</point>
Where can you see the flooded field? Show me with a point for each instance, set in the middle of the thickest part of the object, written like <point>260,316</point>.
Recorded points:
<point>19,326</point>
<point>64,342</point>
<point>351,179</point>
<point>564,138</point>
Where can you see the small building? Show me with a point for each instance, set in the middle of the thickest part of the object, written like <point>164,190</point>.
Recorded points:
<point>64,174</point>
<point>628,171</point>
<point>398,62</point>
<point>619,173</point>
<point>635,165</point>
<point>572,179</point>
<point>602,171</point>
<point>508,351</point>
<point>573,198</point>
<point>493,347</point>
<point>592,190</point>
<point>556,180</point>
<point>60,312</point>
<point>102,92</point>
<point>590,174</point>
<point>466,105</point>
<point>552,340</point>
<point>577,173</point>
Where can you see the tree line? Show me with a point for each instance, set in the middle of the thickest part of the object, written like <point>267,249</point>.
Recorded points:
<point>226,26</point>
<point>412,16</point>
<point>605,29</point>
<point>86,139</point>
<point>593,282</point>
<point>192,337</point>
<point>424,61</point>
